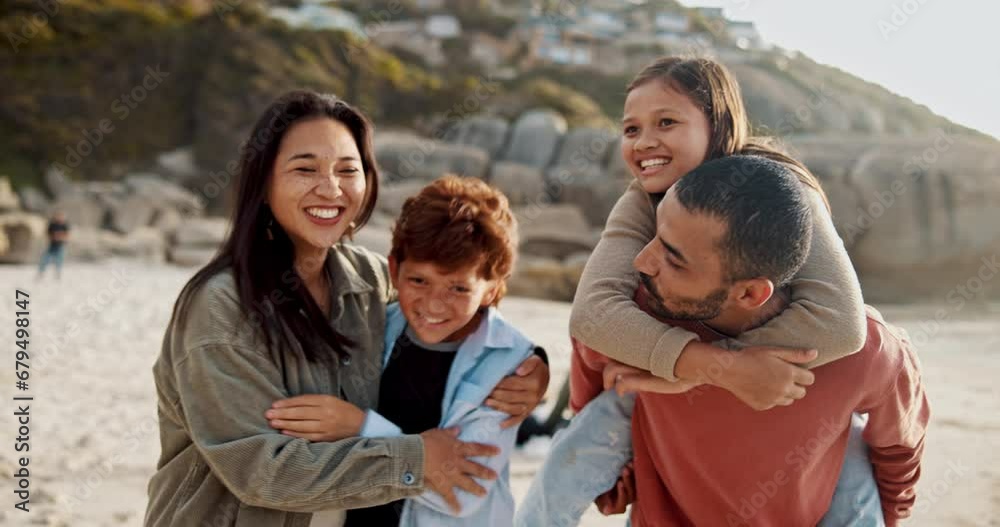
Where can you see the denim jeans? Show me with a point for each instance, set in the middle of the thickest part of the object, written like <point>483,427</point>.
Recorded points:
<point>587,457</point>
<point>52,255</point>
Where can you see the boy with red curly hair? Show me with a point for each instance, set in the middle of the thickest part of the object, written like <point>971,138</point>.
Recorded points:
<point>447,346</point>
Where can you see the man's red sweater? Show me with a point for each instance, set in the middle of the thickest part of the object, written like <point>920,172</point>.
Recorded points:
<point>706,458</point>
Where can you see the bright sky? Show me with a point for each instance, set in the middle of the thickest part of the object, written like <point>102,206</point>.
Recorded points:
<point>944,55</point>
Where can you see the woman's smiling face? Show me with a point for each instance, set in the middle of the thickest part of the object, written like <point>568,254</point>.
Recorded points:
<point>664,135</point>
<point>317,184</point>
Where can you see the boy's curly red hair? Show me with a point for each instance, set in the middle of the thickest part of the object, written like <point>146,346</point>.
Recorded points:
<point>458,222</point>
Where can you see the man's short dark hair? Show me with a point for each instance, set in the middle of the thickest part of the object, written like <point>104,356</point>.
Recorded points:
<point>766,211</point>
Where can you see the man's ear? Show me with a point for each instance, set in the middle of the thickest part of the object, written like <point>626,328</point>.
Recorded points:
<point>753,293</point>
<point>393,271</point>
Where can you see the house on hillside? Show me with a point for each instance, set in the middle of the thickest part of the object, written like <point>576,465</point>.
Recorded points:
<point>316,16</point>
<point>421,37</point>
<point>428,5</point>
<point>671,23</point>
<point>744,35</point>
<point>442,26</point>
<point>488,50</point>
<point>711,13</point>
<point>600,23</point>
<point>563,42</point>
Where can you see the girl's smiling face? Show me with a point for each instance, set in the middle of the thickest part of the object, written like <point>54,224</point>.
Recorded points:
<point>664,135</point>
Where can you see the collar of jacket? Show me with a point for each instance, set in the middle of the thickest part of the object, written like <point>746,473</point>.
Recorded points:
<point>493,333</point>
<point>344,278</point>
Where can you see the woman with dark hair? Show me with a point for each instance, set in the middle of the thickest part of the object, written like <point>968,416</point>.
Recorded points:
<point>286,309</point>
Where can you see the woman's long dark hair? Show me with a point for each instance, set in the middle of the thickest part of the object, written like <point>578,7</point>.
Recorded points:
<point>264,268</point>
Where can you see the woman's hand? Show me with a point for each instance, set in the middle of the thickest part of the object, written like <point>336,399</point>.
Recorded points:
<point>518,394</point>
<point>621,495</point>
<point>764,377</point>
<point>624,378</point>
<point>446,466</point>
<point>316,417</point>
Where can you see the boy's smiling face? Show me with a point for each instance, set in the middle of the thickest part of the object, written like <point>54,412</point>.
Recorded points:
<point>440,305</point>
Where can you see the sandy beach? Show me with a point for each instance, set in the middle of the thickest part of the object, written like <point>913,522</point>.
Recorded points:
<point>94,443</point>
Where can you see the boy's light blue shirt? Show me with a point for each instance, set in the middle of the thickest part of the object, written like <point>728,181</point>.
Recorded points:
<point>483,359</point>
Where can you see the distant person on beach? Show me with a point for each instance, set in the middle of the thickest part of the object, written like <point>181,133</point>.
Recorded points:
<point>58,232</point>
<point>680,113</point>
<point>284,310</point>
<point>446,348</point>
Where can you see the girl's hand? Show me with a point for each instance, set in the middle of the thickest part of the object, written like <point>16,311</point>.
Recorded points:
<point>765,377</point>
<point>316,417</point>
<point>518,394</point>
<point>624,378</point>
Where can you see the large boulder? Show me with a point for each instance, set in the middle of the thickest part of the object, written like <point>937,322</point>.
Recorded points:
<point>487,133</point>
<point>522,184</point>
<point>586,147</point>
<point>190,256</point>
<point>90,244</point>
<point>616,166</point>
<point>178,165</point>
<point>785,107</point>
<point>919,215</point>
<point>404,157</point>
<point>167,220</point>
<point>132,213</point>
<point>145,244</point>
<point>34,200</point>
<point>540,277</point>
<point>374,238</point>
<point>554,231</point>
<point>208,232</point>
<point>535,138</point>
<point>58,183</point>
<point>165,193</point>
<point>547,278</point>
<point>22,237</point>
<point>588,187</point>
<point>81,210</point>
<point>392,196</point>
<point>9,201</point>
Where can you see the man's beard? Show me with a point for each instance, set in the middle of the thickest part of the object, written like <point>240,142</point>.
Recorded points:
<point>687,308</point>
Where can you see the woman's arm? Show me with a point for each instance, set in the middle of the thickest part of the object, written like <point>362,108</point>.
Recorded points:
<point>482,425</point>
<point>224,392</point>
<point>604,316</point>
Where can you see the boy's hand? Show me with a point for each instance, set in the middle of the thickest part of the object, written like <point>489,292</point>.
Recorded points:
<point>624,378</point>
<point>316,417</point>
<point>765,377</point>
<point>621,495</point>
<point>518,394</point>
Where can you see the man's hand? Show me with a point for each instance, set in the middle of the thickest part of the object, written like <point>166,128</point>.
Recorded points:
<point>624,378</point>
<point>621,495</point>
<point>316,417</point>
<point>446,466</point>
<point>765,377</point>
<point>518,394</point>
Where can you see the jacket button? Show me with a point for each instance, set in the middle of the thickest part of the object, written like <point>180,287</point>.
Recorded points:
<point>408,478</point>
<point>346,360</point>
